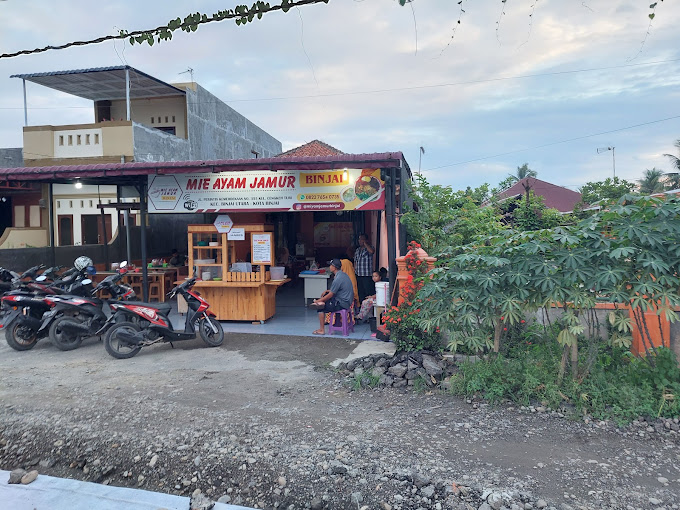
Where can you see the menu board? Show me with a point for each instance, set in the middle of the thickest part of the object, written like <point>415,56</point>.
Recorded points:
<point>262,248</point>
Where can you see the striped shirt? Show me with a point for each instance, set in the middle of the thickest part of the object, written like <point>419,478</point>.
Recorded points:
<point>363,262</point>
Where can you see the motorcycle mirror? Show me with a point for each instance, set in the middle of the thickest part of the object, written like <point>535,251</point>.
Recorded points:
<point>41,278</point>
<point>86,281</point>
<point>123,264</point>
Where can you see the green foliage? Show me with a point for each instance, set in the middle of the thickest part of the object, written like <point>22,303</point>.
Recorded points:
<point>609,190</point>
<point>402,320</point>
<point>629,254</point>
<point>445,219</point>
<point>530,213</point>
<point>618,388</point>
<point>651,181</point>
<point>522,172</point>
<point>364,380</point>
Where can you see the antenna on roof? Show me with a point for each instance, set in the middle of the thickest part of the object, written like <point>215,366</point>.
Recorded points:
<point>190,71</point>
<point>605,149</point>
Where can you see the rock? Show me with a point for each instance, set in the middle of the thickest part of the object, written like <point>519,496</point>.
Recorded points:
<point>495,500</point>
<point>197,461</point>
<point>655,501</point>
<point>386,380</point>
<point>397,371</point>
<point>485,506</point>
<point>352,364</point>
<point>400,383</point>
<point>427,491</point>
<point>200,502</point>
<point>662,479</point>
<point>357,498</point>
<point>378,371</point>
<point>282,481</point>
<point>29,477</point>
<point>224,499</point>
<point>432,366</point>
<point>316,504</point>
<point>16,476</point>
<point>337,468</point>
<point>47,463</point>
<point>541,503</point>
<point>153,461</point>
<point>420,480</point>
<point>385,506</point>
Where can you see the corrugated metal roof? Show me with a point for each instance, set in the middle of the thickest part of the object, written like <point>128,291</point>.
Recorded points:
<point>103,83</point>
<point>116,171</point>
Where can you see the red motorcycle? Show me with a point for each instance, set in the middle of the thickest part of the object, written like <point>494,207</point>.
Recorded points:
<point>139,324</point>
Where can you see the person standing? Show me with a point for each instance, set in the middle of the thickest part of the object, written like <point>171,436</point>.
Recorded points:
<point>363,266</point>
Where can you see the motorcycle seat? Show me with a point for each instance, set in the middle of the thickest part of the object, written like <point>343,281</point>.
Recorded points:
<point>161,307</point>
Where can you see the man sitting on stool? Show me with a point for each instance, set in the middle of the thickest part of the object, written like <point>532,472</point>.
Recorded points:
<point>339,297</point>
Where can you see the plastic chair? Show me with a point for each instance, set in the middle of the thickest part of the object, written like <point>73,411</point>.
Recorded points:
<point>346,322</point>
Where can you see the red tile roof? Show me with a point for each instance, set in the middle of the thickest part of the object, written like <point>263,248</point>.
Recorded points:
<point>314,148</point>
<point>554,196</point>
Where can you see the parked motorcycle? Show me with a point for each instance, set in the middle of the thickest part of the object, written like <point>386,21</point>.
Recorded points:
<point>24,308</point>
<point>145,324</point>
<point>76,318</point>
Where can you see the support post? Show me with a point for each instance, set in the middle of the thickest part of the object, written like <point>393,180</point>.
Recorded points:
<point>127,92</point>
<point>142,217</point>
<point>126,219</point>
<point>25,104</point>
<point>390,205</point>
<point>50,213</point>
<point>105,242</point>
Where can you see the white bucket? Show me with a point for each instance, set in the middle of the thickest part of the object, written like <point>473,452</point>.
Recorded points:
<point>206,275</point>
<point>277,272</point>
<point>381,293</point>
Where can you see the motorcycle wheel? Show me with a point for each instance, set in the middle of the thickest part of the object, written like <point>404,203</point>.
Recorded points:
<point>208,335</point>
<point>63,340</point>
<point>20,337</point>
<point>117,347</point>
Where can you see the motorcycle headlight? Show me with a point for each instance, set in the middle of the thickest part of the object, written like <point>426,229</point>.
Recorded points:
<point>91,270</point>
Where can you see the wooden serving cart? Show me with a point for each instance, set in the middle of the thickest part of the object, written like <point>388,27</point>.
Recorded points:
<point>235,295</point>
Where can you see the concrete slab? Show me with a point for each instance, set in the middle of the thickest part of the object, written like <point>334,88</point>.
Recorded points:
<point>365,349</point>
<point>64,494</point>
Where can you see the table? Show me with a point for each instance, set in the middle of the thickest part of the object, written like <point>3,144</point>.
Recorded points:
<point>134,280</point>
<point>315,284</point>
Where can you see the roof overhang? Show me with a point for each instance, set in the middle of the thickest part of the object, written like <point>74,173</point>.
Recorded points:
<point>103,83</point>
<point>119,173</point>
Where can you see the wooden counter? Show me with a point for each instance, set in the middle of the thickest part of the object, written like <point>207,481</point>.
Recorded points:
<point>239,295</point>
<point>241,301</point>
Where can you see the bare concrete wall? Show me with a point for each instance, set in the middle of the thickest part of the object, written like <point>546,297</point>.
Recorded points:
<point>11,158</point>
<point>217,131</point>
<point>154,145</point>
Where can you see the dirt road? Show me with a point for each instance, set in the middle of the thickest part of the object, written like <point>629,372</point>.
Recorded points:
<point>265,421</point>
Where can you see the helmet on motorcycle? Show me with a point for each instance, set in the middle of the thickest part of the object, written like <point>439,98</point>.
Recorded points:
<point>82,262</point>
<point>91,270</point>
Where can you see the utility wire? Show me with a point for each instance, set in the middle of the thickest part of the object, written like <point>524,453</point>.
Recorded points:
<point>400,89</point>
<point>554,143</point>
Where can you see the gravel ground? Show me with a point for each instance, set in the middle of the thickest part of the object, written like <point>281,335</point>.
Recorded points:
<point>264,421</point>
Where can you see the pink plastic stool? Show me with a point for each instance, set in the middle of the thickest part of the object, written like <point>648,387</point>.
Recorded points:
<point>346,322</point>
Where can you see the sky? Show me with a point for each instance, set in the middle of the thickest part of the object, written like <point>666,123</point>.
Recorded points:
<point>543,82</point>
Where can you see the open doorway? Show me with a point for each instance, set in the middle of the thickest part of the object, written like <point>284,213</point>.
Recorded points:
<point>92,232</point>
<point>5,214</point>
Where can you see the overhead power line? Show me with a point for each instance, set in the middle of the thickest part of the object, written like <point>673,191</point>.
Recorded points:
<point>400,89</point>
<point>482,158</point>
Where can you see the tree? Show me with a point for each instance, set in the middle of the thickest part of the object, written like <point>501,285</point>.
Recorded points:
<point>522,172</point>
<point>672,179</point>
<point>608,190</point>
<point>444,220</point>
<point>651,182</point>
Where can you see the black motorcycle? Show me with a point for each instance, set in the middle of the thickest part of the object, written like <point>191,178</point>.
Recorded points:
<point>145,324</point>
<point>77,318</point>
<point>23,319</point>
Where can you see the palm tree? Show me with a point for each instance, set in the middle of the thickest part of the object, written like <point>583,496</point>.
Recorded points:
<point>672,179</point>
<point>651,182</point>
<point>522,172</point>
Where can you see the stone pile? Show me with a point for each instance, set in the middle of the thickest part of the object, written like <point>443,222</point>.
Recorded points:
<point>401,370</point>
